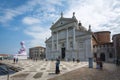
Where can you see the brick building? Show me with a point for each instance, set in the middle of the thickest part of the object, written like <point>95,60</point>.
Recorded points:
<point>116,43</point>
<point>103,36</point>
<point>104,48</point>
<point>37,52</point>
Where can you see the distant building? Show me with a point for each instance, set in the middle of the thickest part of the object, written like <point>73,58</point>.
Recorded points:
<point>116,43</point>
<point>4,56</point>
<point>104,49</point>
<point>37,52</point>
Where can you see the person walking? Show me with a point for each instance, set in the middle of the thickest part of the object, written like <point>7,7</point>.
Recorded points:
<point>101,64</point>
<point>14,60</point>
<point>97,63</point>
<point>57,71</point>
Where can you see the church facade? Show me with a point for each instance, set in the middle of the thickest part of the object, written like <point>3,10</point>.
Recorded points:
<point>69,40</point>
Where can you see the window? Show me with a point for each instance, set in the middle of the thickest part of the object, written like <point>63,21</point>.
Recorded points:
<point>71,44</point>
<point>81,45</point>
<point>110,55</point>
<point>63,45</point>
<point>55,46</point>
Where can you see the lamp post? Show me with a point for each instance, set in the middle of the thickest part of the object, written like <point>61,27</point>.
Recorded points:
<point>7,72</point>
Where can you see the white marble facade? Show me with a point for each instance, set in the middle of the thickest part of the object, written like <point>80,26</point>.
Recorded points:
<point>69,40</point>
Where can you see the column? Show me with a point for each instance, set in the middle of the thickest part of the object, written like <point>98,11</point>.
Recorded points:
<point>52,41</point>
<point>114,45</point>
<point>52,47</point>
<point>90,53</point>
<point>46,51</point>
<point>67,40</point>
<point>86,49</point>
<point>57,41</point>
<point>73,37</point>
<point>67,45</point>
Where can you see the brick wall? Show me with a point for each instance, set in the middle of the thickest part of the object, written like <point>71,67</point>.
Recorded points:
<point>103,36</point>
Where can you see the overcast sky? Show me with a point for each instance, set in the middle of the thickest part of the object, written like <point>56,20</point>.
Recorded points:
<point>30,20</point>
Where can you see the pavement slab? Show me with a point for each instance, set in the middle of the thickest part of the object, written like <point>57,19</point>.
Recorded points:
<point>40,70</point>
<point>109,72</point>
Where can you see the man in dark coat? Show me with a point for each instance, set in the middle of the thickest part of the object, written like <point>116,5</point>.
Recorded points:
<point>57,71</point>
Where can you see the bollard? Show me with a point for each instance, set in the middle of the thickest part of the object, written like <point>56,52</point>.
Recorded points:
<point>90,62</point>
<point>7,72</point>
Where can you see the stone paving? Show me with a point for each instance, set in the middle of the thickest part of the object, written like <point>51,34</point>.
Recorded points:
<point>109,72</point>
<point>41,70</point>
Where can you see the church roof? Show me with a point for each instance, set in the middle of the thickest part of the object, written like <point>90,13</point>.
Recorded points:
<point>50,38</point>
<point>80,27</point>
<point>63,21</point>
<point>4,55</point>
<point>37,47</point>
<point>94,37</point>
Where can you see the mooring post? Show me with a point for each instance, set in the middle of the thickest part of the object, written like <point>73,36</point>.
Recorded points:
<point>7,72</point>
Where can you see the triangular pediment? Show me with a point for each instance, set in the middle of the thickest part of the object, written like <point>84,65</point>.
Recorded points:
<point>63,21</point>
<point>48,40</point>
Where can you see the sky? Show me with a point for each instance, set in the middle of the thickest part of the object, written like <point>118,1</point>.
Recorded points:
<point>30,20</point>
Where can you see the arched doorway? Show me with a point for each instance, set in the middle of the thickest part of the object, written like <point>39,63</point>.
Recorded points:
<point>95,55</point>
<point>102,56</point>
<point>63,53</point>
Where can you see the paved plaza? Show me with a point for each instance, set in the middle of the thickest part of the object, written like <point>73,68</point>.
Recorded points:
<point>40,70</point>
<point>109,72</point>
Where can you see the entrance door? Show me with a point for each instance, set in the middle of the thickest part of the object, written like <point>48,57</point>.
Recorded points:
<point>95,55</point>
<point>102,56</point>
<point>63,53</point>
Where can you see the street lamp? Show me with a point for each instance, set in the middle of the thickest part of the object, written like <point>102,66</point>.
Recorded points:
<point>7,72</point>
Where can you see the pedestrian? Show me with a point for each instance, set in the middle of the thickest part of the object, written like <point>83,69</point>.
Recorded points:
<point>36,59</point>
<point>101,64</point>
<point>97,63</point>
<point>78,60</point>
<point>14,60</point>
<point>57,71</point>
<point>73,59</point>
